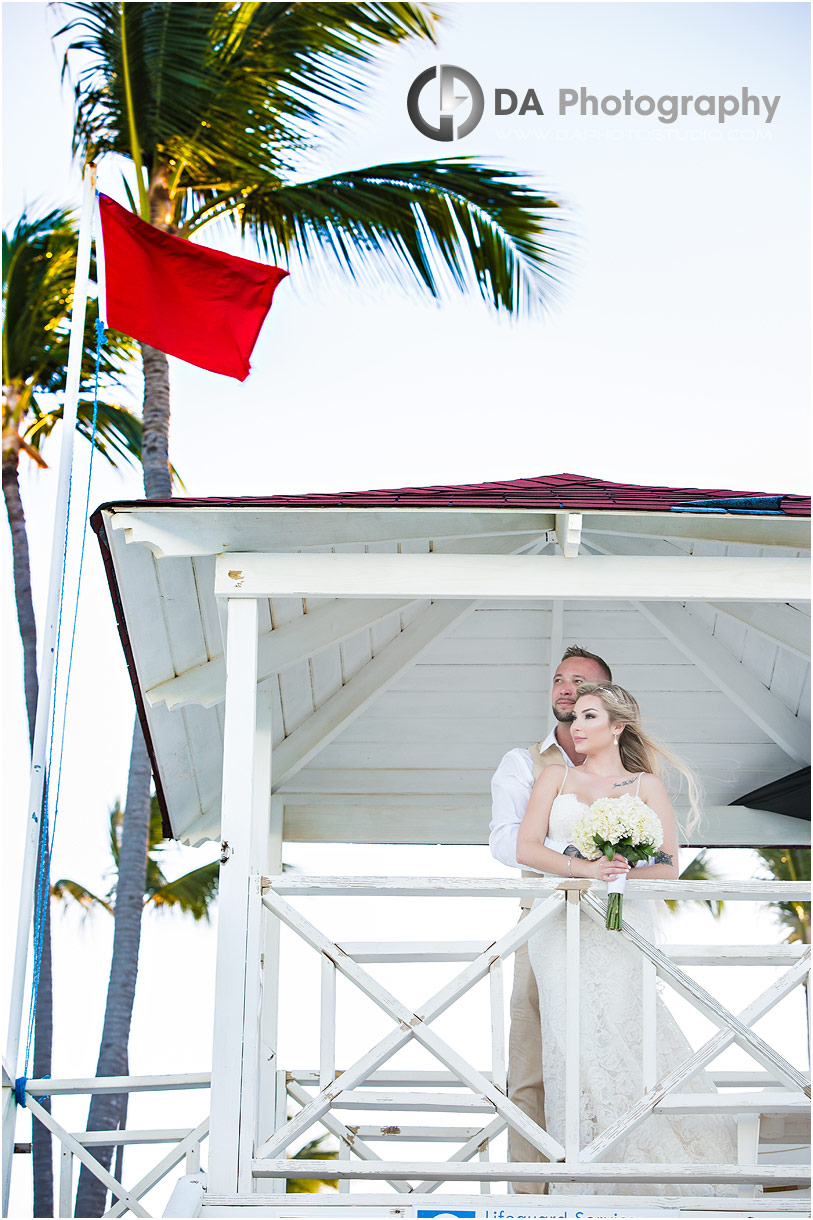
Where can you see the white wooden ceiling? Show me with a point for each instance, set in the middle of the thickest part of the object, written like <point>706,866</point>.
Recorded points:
<point>391,716</point>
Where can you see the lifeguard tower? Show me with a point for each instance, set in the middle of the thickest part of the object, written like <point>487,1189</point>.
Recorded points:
<point>350,669</point>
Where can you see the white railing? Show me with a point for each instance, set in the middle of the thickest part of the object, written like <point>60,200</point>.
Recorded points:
<point>186,1143</point>
<point>769,1102</point>
<point>778,1091</point>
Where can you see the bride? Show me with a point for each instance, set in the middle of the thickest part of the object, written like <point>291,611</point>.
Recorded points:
<point>620,758</point>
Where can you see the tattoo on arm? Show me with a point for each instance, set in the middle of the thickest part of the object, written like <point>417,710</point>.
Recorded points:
<point>662,857</point>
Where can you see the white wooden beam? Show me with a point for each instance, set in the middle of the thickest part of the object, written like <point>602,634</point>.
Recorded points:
<point>443,818</point>
<point>569,533</point>
<point>793,532</point>
<point>738,683</point>
<point>372,680</point>
<point>496,1171</point>
<point>785,625</point>
<point>511,887</point>
<point>375,1203</point>
<point>285,645</point>
<point>512,576</point>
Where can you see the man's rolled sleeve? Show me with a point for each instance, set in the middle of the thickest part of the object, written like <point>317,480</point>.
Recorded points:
<point>510,789</point>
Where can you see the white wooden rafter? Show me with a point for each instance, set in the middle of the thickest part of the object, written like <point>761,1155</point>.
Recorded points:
<point>377,676</point>
<point>303,637</point>
<point>348,703</point>
<point>779,622</point>
<point>729,675</point>
<point>205,684</point>
<point>791,532</point>
<point>742,687</point>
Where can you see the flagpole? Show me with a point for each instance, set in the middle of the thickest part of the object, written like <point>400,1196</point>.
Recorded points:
<point>46,669</point>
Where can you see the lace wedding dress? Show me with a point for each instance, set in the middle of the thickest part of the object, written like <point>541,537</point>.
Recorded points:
<point>610,1050</point>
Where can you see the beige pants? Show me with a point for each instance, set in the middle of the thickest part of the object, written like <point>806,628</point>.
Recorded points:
<point>525,1087</point>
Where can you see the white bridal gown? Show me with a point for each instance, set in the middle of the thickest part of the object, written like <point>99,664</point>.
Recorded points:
<point>611,1050</point>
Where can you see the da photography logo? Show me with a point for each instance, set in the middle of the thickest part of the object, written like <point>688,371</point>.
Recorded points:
<point>450,78</point>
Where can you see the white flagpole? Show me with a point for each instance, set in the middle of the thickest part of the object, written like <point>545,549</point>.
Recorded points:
<point>46,670</point>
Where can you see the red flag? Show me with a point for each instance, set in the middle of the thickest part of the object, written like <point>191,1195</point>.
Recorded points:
<point>191,302</point>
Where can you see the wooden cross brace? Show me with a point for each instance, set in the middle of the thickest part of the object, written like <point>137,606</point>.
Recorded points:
<point>733,1029</point>
<point>413,1025</point>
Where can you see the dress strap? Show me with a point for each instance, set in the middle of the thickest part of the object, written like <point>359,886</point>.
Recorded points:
<point>638,785</point>
<point>564,780</point>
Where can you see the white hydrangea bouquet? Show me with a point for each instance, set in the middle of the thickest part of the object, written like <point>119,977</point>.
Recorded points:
<point>622,824</point>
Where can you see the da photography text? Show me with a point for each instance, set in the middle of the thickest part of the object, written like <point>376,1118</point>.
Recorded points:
<point>447,102</point>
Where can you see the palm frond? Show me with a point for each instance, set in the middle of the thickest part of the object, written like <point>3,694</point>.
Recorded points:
<point>118,429</point>
<point>66,890</point>
<point>313,1152</point>
<point>193,893</point>
<point>39,265</point>
<point>700,870</point>
<point>435,225</point>
<point>215,84</point>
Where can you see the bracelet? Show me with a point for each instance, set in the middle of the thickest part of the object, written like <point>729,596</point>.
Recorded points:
<point>570,866</point>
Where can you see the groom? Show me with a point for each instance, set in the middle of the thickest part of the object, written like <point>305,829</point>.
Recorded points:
<point>510,790</point>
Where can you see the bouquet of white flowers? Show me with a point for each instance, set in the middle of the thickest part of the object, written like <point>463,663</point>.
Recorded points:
<point>622,824</point>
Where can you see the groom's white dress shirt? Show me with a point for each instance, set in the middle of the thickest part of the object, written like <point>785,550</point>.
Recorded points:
<point>510,791</point>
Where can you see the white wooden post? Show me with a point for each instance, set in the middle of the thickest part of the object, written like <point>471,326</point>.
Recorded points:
<point>258,864</point>
<point>280,1185</point>
<point>499,1066</point>
<point>572,1040</point>
<point>236,981</point>
<point>271,1115</point>
<point>65,1181</point>
<point>327,1024</point>
<point>747,1148</point>
<point>482,1155</point>
<point>649,984</point>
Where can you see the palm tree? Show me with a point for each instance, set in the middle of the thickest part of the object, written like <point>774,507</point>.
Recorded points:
<point>789,864</point>
<point>216,105</point>
<point>39,266</point>
<point>192,894</point>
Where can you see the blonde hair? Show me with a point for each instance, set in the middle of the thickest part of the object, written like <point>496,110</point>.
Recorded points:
<point>639,750</point>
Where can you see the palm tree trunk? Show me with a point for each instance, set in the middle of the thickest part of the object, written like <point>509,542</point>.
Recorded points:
<point>22,576</point>
<point>155,423</point>
<point>42,1164</point>
<point>106,1110</point>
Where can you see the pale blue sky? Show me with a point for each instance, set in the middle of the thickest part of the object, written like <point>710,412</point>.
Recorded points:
<point>679,354</point>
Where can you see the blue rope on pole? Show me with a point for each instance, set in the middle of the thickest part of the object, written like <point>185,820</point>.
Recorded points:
<point>46,843</point>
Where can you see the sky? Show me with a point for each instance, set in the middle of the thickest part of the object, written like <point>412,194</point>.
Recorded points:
<point>677,354</point>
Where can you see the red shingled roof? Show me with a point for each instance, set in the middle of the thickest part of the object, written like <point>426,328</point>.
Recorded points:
<point>563,491</point>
